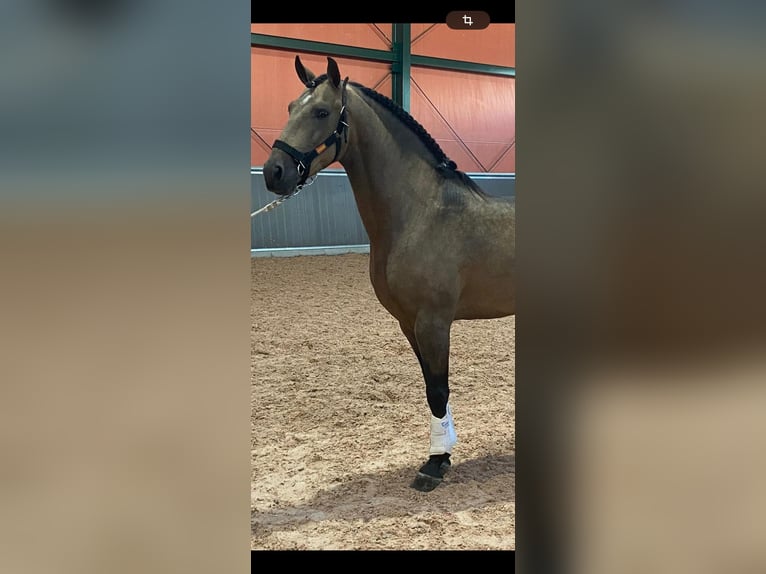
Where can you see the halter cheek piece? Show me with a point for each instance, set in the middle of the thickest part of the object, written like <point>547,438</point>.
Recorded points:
<point>303,160</point>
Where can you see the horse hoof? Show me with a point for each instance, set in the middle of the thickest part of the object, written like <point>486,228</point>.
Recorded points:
<point>425,483</point>
<point>432,473</point>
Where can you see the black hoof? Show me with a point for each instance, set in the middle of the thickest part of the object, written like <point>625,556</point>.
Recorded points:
<point>425,483</point>
<point>431,473</point>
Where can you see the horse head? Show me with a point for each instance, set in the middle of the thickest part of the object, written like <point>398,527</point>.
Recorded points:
<point>316,132</point>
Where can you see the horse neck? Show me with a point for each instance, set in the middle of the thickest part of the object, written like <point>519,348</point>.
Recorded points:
<point>388,167</point>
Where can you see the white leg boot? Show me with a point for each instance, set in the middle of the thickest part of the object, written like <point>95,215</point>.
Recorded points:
<point>443,436</point>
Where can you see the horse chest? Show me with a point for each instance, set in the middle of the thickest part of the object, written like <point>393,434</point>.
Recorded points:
<point>379,280</point>
<point>402,285</point>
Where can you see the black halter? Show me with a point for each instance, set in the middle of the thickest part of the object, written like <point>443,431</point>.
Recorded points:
<point>304,160</point>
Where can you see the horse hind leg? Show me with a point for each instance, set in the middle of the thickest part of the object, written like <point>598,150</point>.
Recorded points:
<point>430,340</point>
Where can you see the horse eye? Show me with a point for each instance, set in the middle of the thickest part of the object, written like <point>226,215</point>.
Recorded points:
<point>321,113</point>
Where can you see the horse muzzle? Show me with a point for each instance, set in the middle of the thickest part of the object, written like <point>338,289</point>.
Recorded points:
<point>281,173</point>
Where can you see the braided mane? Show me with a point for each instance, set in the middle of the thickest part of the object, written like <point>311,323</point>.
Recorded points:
<point>445,166</point>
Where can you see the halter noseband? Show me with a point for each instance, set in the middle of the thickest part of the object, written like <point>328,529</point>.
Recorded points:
<point>303,160</point>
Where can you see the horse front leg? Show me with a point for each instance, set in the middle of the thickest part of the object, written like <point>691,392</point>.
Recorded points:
<point>430,340</point>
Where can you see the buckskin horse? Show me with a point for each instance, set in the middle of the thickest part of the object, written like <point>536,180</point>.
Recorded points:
<point>441,249</point>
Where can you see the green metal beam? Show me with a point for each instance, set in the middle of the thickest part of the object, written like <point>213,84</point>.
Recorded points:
<point>401,68</point>
<point>400,55</point>
<point>461,66</point>
<point>323,48</point>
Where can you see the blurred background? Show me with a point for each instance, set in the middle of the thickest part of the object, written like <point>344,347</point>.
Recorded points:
<point>641,323</point>
<point>124,294</point>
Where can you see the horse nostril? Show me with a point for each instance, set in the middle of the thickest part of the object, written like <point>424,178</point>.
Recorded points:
<point>277,172</point>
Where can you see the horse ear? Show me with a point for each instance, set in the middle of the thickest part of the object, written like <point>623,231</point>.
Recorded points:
<point>332,72</point>
<point>306,76</point>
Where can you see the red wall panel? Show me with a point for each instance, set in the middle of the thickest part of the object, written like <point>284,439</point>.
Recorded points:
<point>471,116</point>
<point>377,36</point>
<point>494,45</point>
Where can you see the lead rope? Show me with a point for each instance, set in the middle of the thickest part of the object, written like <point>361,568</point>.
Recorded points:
<point>279,201</point>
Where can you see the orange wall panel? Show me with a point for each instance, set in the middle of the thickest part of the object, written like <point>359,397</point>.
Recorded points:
<point>494,45</point>
<point>377,36</point>
<point>472,114</point>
